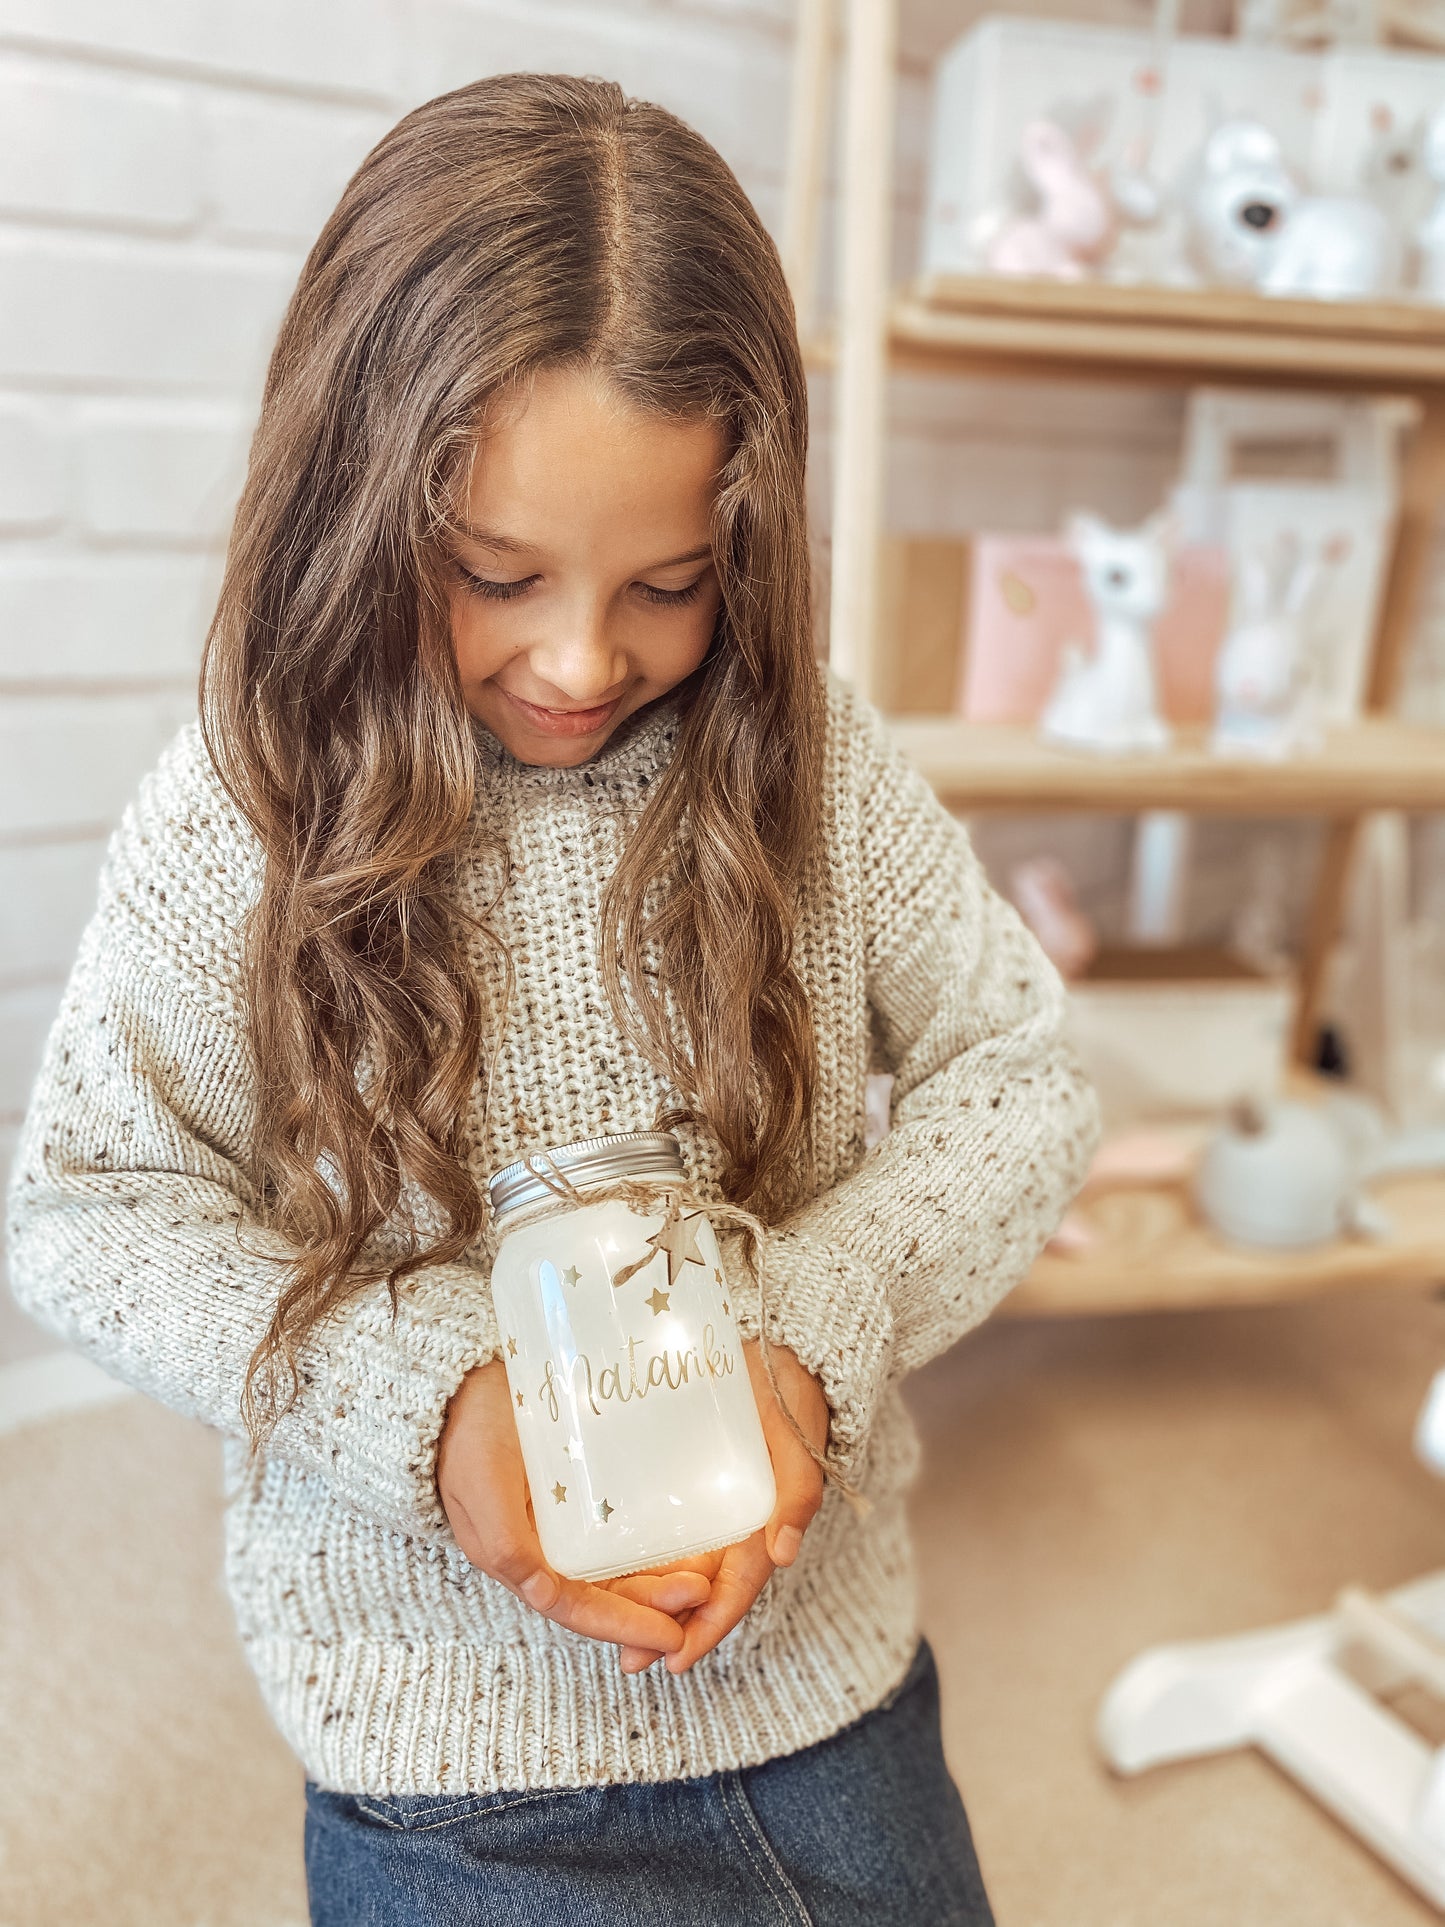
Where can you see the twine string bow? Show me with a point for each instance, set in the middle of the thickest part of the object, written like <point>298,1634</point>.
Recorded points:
<point>639,1194</point>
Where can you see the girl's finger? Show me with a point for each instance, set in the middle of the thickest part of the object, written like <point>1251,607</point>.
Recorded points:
<point>669,1592</point>
<point>495,1503</point>
<point>599,1614</point>
<point>799,1482</point>
<point>745,1570</point>
<point>637,1659</point>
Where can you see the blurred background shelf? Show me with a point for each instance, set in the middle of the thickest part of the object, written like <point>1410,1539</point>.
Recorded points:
<point>1154,1254</point>
<point>1076,329</point>
<point>1375,763</point>
<point>1178,333</point>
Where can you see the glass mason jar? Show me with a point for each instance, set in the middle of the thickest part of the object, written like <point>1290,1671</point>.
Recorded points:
<point>639,1430</point>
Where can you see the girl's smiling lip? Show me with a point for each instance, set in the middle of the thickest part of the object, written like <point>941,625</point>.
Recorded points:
<point>564,722</point>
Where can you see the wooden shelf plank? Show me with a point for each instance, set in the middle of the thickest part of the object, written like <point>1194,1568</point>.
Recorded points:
<point>1153,1254</point>
<point>1081,329</point>
<point>1198,334</point>
<point>1199,310</point>
<point>1376,763</point>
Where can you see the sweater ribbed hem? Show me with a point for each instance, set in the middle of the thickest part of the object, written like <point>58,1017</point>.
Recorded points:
<point>383,1717</point>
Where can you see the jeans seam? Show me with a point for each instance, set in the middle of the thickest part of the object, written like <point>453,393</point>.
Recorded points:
<point>459,1809</point>
<point>732,1782</point>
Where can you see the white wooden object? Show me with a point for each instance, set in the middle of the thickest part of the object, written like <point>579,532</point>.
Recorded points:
<point>1306,1694</point>
<point>1234,488</point>
<point>1309,1696</point>
<point>860,390</point>
<point>807,154</point>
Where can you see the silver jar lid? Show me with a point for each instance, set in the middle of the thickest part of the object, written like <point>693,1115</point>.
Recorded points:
<point>590,1160</point>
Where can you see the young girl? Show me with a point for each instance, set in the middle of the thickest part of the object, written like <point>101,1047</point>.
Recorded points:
<point>519,811</point>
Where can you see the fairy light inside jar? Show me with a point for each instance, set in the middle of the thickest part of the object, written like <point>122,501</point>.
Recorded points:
<point>634,1409</point>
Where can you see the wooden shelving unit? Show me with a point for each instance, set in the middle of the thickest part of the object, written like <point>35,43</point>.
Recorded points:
<point>1378,763</point>
<point>1197,335</point>
<point>945,324</point>
<point>1154,1255</point>
<point>1151,1251</point>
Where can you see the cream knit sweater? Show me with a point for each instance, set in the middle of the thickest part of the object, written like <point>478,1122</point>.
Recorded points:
<point>389,1663</point>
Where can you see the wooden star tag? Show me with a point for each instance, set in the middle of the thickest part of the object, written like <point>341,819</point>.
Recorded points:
<point>679,1240</point>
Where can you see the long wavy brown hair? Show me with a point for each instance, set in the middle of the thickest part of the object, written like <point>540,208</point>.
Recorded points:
<point>521,222</point>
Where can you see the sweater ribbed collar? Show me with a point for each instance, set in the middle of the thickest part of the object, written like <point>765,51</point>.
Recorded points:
<point>638,748</point>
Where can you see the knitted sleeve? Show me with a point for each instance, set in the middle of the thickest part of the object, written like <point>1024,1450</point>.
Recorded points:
<point>993,1121</point>
<point>129,1211</point>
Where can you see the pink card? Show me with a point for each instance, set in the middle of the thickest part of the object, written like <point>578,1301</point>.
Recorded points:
<point>1026,603</point>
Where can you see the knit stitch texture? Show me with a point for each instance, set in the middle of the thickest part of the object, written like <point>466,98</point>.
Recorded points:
<point>390,1664</point>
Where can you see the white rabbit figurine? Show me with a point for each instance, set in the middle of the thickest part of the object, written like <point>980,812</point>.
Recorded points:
<point>1074,221</point>
<point>1250,223</point>
<point>1267,701</point>
<point>1105,700</point>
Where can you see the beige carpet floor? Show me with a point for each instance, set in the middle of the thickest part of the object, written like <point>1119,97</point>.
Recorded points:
<point>1090,1488</point>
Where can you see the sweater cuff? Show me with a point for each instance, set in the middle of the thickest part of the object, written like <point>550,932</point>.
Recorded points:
<point>831,1309</point>
<point>382,1388</point>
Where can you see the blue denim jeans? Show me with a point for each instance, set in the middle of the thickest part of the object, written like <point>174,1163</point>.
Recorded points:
<point>864,1829</point>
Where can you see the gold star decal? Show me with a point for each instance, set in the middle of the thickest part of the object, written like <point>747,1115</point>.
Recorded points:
<point>604,1510</point>
<point>725,1304</point>
<point>571,1274</point>
<point>574,1448</point>
<point>679,1240</point>
<point>559,1493</point>
<point>658,1300</point>
<point>519,1401</point>
<point>717,1274</point>
<point>511,1348</point>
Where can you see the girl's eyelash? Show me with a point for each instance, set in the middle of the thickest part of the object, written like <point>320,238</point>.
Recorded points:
<point>495,591</point>
<point>507,591</point>
<point>671,597</point>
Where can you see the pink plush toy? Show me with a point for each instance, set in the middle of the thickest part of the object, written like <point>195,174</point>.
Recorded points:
<point>1074,223</point>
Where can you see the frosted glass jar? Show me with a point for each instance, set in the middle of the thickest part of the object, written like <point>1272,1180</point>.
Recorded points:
<point>639,1430</point>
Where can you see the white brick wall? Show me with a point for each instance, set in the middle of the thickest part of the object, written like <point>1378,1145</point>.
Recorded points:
<point>164,164</point>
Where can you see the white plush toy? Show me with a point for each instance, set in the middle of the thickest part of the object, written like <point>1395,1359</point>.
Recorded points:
<point>1265,675</point>
<point>1250,224</point>
<point>1105,700</point>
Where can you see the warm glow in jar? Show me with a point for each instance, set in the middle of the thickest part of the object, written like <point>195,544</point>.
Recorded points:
<point>639,1429</point>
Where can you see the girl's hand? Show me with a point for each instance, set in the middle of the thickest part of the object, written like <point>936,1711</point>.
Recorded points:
<point>483,1488</point>
<point>743,1570</point>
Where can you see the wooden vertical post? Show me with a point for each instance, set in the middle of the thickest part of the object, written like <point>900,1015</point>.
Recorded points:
<point>807,153</point>
<point>1422,485</point>
<point>860,383</point>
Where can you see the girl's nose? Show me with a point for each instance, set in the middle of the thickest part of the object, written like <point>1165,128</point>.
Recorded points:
<point>580,666</point>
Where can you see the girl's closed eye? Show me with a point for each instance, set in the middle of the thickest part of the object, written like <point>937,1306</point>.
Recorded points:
<point>494,591</point>
<point>670,597</point>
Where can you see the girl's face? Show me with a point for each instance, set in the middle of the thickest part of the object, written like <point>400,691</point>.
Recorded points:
<point>584,586</point>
